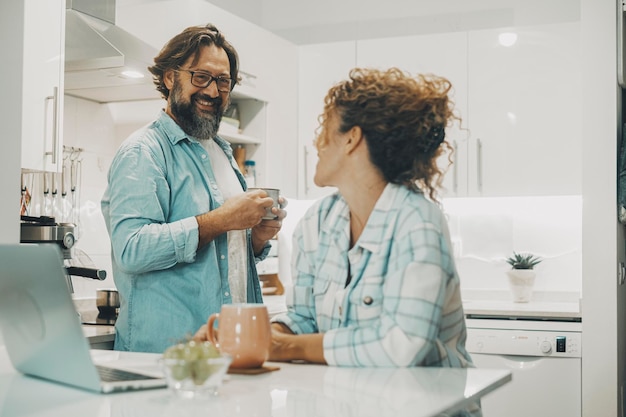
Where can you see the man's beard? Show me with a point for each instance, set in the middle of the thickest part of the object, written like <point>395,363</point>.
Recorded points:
<point>201,125</point>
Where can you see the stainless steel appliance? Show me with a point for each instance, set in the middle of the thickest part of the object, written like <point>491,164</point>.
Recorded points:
<point>45,229</point>
<point>103,62</point>
<point>541,342</point>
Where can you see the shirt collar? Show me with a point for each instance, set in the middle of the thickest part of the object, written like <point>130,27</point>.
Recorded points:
<point>377,227</point>
<point>175,134</point>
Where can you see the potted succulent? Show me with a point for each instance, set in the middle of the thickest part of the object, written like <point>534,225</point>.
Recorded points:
<point>522,275</point>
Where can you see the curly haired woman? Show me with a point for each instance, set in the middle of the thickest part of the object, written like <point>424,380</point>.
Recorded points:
<point>375,283</point>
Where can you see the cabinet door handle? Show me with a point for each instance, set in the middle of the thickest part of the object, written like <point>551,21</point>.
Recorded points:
<point>621,33</point>
<point>455,167</point>
<point>55,131</point>
<point>479,164</point>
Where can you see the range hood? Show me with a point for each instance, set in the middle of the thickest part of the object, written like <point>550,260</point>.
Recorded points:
<point>103,62</point>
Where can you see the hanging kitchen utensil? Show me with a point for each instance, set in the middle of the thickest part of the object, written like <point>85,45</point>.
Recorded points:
<point>47,198</point>
<point>25,198</point>
<point>56,206</point>
<point>75,174</point>
<point>66,206</point>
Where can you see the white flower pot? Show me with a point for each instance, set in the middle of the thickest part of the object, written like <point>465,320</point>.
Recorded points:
<point>521,282</point>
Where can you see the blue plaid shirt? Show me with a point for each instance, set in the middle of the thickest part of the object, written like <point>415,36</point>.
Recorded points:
<point>402,306</point>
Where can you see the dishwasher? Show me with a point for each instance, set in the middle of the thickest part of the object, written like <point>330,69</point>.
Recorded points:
<point>541,343</point>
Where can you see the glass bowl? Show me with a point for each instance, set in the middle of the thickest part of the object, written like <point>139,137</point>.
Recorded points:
<point>195,378</point>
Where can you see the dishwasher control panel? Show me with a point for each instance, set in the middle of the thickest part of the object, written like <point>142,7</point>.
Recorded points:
<point>524,342</point>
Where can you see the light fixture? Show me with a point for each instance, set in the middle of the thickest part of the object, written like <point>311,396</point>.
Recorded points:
<point>132,74</point>
<point>507,39</point>
<point>512,117</point>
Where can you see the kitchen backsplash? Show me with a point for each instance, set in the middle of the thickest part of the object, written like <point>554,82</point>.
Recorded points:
<point>484,230</point>
<point>91,127</point>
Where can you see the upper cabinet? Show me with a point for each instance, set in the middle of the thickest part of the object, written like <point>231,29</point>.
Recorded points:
<point>525,111</point>
<point>42,84</point>
<point>444,55</point>
<point>321,66</point>
<point>517,91</point>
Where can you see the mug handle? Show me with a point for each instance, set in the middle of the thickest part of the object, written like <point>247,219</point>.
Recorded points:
<point>211,333</point>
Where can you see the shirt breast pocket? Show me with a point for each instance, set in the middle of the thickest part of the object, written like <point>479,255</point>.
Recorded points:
<point>366,301</point>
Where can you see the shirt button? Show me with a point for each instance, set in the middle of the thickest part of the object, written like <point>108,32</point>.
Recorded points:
<point>203,156</point>
<point>368,300</point>
<point>222,257</point>
<point>226,294</point>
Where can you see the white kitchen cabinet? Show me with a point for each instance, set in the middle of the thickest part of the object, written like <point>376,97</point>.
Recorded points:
<point>321,66</point>
<point>525,110</point>
<point>520,105</point>
<point>42,84</point>
<point>440,54</point>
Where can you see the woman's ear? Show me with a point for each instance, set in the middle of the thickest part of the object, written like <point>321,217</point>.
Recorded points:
<point>355,138</point>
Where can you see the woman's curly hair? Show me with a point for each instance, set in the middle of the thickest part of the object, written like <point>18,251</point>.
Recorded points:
<point>403,120</point>
<point>186,44</point>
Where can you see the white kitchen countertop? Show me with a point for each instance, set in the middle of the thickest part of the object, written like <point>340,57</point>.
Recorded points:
<point>295,389</point>
<point>99,334</point>
<point>543,304</point>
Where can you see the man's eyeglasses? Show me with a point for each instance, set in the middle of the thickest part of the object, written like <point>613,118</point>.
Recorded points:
<point>203,79</point>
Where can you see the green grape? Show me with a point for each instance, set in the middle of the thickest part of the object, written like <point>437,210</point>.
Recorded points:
<point>174,352</point>
<point>192,351</point>
<point>209,351</point>
<point>190,360</point>
<point>181,370</point>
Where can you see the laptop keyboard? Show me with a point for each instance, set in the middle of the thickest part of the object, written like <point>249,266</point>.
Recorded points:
<point>113,375</point>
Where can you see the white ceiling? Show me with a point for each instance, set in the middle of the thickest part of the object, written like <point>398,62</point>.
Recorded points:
<point>307,21</point>
<point>317,21</point>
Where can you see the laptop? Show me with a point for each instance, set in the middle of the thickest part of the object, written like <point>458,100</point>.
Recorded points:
<point>42,330</point>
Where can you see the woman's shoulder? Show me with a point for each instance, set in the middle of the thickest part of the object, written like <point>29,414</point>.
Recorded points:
<point>321,208</point>
<point>415,207</point>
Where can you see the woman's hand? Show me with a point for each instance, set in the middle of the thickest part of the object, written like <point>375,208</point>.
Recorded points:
<point>280,350</point>
<point>287,346</point>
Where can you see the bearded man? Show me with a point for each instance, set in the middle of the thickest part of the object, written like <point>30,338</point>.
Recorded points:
<point>185,234</point>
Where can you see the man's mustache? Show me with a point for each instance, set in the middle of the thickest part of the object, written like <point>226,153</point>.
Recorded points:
<point>217,101</point>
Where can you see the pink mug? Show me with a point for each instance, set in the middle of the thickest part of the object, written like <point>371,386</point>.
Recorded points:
<point>243,332</point>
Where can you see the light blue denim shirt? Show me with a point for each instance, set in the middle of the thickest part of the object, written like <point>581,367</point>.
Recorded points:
<point>159,180</point>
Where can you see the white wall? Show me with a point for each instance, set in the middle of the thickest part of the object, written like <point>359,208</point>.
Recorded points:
<point>89,126</point>
<point>11,32</point>
<point>603,332</point>
<point>485,231</point>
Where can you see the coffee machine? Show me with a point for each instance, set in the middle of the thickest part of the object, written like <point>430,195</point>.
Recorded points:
<point>45,229</point>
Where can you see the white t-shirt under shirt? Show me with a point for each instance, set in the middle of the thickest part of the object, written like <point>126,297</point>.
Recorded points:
<point>229,185</point>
